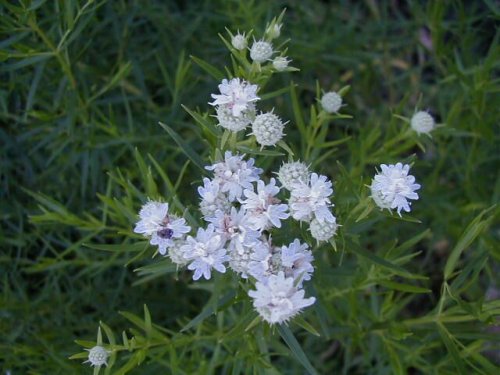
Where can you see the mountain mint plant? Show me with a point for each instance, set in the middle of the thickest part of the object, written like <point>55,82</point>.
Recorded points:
<point>244,206</point>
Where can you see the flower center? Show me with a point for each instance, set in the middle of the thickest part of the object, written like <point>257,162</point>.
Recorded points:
<point>165,233</point>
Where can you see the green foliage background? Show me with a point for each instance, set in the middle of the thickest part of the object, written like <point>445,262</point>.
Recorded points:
<point>83,87</point>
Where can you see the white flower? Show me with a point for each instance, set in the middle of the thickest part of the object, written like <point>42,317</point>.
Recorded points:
<point>279,300</point>
<point>274,31</point>
<point>263,209</point>
<point>331,102</point>
<point>234,123</point>
<point>280,63</point>
<point>296,260</point>
<point>323,231</point>
<point>239,41</point>
<point>292,173</point>
<point>205,252</point>
<point>261,51</point>
<point>98,356</point>
<point>160,226</point>
<point>393,187</point>
<point>311,200</point>
<point>176,254</point>
<point>422,122</point>
<point>236,94</point>
<point>240,260</point>
<point>263,262</point>
<point>267,129</point>
<point>212,199</point>
<point>234,174</point>
<point>234,228</point>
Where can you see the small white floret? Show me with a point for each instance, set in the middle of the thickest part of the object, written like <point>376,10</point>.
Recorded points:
<point>279,299</point>
<point>312,199</point>
<point>292,173</point>
<point>331,102</point>
<point>393,187</point>
<point>274,31</point>
<point>296,260</point>
<point>205,252</point>
<point>235,229</point>
<point>234,174</point>
<point>237,95</point>
<point>280,63</point>
<point>264,210</point>
<point>323,231</point>
<point>159,226</point>
<point>212,198</point>
<point>98,356</point>
<point>176,254</point>
<point>239,41</point>
<point>422,122</point>
<point>267,129</point>
<point>231,122</point>
<point>261,51</point>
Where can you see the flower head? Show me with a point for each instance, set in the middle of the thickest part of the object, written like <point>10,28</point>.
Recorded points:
<point>234,227</point>
<point>331,102</point>
<point>261,51</point>
<point>280,63</point>
<point>236,94</point>
<point>263,208</point>
<point>98,356</point>
<point>292,173</point>
<point>393,187</point>
<point>274,30</point>
<point>296,260</point>
<point>239,41</point>
<point>234,174</point>
<point>205,252</point>
<point>212,198</point>
<point>422,122</point>
<point>267,129</point>
<point>231,122</point>
<point>323,231</point>
<point>240,258</point>
<point>162,228</point>
<point>311,199</point>
<point>264,261</point>
<point>279,300</point>
<point>176,254</point>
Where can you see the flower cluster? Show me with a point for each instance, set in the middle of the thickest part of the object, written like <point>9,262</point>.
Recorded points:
<point>262,51</point>
<point>240,211</point>
<point>235,110</point>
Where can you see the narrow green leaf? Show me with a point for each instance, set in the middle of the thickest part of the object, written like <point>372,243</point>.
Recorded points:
<point>147,321</point>
<point>208,310</point>
<point>452,350</point>
<point>301,322</point>
<point>253,151</point>
<point>385,263</point>
<point>471,232</point>
<point>80,355</point>
<point>188,151</point>
<point>26,62</point>
<point>299,118</point>
<point>296,349</point>
<point>204,122</point>
<point>209,68</point>
<point>134,247</point>
<point>403,287</point>
<point>109,333</point>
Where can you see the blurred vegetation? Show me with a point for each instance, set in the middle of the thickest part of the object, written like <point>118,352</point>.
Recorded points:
<point>83,86</point>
